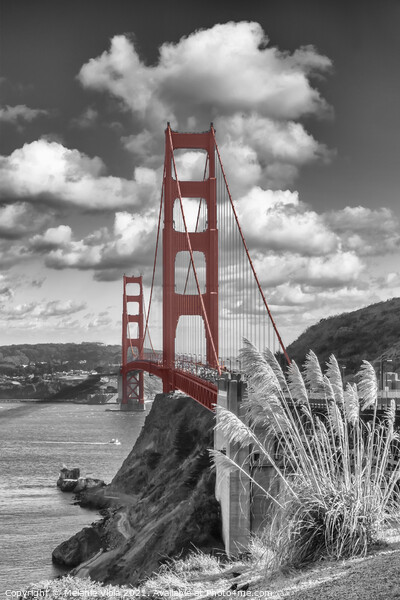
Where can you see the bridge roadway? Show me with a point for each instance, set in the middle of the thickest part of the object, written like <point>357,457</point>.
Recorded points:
<point>202,390</point>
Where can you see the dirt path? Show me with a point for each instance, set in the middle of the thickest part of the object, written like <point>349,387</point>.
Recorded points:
<point>376,577</point>
<point>123,525</point>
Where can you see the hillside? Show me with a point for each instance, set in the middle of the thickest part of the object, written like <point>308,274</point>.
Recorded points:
<point>55,355</point>
<point>367,333</point>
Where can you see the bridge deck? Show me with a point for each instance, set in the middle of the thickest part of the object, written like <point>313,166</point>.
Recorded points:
<point>203,391</point>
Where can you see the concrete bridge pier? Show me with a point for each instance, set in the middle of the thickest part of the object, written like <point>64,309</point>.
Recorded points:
<point>232,490</point>
<point>245,509</point>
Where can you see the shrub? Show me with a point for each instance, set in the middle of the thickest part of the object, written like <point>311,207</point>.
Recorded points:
<point>337,489</point>
<point>202,462</point>
<point>153,458</point>
<point>184,441</point>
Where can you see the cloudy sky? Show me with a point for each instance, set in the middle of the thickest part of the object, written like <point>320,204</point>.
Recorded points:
<point>304,96</point>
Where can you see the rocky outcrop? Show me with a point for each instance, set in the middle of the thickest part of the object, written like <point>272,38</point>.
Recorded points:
<point>70,480</point>
<point>68,485</point>
<point>90,493</point>
<point>162,499</point>
<point>88,483</point>
<point>79,548</point>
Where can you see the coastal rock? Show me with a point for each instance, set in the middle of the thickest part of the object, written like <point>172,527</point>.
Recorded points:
<point>94,483</point>
<point>80,485</point>
<point>79,548</point>
<point>89,493</point>
<point>66,473</point>
<point>87,483</point>
<point>67,485</point>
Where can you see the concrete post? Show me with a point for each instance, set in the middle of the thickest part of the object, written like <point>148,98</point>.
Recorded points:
<point>233,490</point>
<point>262,507</point>
<point>245,509</point>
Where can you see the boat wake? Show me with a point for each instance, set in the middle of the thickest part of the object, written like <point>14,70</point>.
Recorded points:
<point>72,443</point>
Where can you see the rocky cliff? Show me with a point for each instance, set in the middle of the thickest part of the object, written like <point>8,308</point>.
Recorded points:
<point>160,503</point>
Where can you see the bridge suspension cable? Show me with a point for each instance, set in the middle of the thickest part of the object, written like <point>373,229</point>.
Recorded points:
<point>146,329</point>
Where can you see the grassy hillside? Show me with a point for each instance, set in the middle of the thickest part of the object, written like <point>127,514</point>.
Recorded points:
<point>367,333</point>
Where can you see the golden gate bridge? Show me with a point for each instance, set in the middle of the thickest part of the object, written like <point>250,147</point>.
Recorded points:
<point>211,295</point>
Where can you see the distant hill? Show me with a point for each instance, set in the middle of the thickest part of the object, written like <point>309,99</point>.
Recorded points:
<point>85,356</point>
<point>367,334</point>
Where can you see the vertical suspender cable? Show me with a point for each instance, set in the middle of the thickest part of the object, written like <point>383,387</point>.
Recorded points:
<point>247,252</point>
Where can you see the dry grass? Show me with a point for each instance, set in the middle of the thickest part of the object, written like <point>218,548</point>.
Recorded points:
<point>202,576</point>
<point>337,491</point>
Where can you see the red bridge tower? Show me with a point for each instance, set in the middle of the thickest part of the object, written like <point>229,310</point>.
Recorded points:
<point>205,304</point>
<point>132,348</point>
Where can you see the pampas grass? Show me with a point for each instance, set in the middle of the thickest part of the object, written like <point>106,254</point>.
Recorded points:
<point>337,490</point>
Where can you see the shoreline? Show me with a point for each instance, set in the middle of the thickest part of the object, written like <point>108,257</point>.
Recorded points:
<point>50,401</point>
<point>37,438</point>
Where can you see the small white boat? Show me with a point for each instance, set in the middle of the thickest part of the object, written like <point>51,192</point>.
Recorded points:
<point>115,441</point>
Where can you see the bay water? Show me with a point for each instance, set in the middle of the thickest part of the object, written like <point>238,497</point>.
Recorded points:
<point>36,440</point>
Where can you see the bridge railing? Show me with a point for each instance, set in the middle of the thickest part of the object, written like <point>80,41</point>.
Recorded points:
<point>388,394</point>
<point>196,364</point>
<point>153,356</point>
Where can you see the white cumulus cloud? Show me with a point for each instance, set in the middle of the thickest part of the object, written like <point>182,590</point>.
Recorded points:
<point>49,172</point>
<point>276,220</point>
<point>20,219</point>
<point>333,271</point>
<point>130,243</point>
<point>366,231</point>
<point>230,74</point>
<point>246,74</point>
<point>53,237</point>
